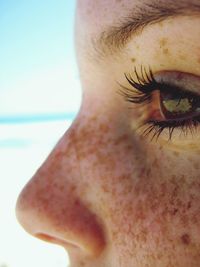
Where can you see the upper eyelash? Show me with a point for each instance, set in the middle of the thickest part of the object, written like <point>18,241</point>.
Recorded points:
<point>145,85</point>
<point>143,81</point>
<point>142,85</point>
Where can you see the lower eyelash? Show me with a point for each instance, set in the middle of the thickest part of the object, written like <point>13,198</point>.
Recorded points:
<point>156,127</point>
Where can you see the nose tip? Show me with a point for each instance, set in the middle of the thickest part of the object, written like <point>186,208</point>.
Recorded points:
<point>66,222</point>
<point>51,208</point>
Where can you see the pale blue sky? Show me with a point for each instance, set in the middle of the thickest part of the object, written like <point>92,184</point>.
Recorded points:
<point>37,58</point>
<point>39,83</point>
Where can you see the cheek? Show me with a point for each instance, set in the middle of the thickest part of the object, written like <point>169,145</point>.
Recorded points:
<point>147,199</point>
<point>159,212</point>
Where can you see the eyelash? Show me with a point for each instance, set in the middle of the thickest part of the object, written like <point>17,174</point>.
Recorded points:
<point>141,93</point>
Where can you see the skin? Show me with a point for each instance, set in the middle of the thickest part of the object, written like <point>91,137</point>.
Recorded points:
<point>109,196</point>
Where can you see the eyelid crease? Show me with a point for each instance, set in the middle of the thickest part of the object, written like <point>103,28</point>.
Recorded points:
<point>187,82</point>
<point>172,81</point>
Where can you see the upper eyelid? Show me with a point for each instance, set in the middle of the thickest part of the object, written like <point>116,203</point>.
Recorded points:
<point>189,82</point>
<point>183,82</point>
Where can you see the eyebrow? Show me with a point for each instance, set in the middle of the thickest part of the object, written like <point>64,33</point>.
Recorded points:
<point>144,14</point>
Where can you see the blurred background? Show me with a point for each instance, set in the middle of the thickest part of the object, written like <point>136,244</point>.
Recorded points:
<point>39,97</point>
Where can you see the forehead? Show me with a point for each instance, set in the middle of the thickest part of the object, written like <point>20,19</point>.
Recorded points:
<point>105,5</point>
<point>100,13</point>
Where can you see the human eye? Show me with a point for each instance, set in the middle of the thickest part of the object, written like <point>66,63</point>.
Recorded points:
<point>170,98</point>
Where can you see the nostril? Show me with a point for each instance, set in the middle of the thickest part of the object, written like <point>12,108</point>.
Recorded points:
<point>58,241</point>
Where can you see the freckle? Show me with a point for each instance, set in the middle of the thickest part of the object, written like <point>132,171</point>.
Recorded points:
<point>166,51</point>
<point>133,59</point>
<point>103,128</point>
<point>89,10</point>
<point>73,188</point>
<point>174,211</point>
<point>182,57</point>
<point>82,263</point>
<point>189,205</point>
<point>176,153</point>
<point>163,42</point>
<point>196,165</point>
<point>198,60</point>
<point>156,163</point>
<point>93,119</point>
<point>129,147</point>
<point>105,188</point>
<point>121,139</point>
<point>185,239</point>
<point>61,188</point>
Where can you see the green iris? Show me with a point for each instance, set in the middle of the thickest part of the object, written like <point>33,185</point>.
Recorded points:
<point>178,105</point>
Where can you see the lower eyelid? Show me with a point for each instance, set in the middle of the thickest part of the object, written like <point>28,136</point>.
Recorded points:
<point>153,126</point>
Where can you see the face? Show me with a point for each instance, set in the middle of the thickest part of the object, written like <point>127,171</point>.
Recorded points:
<point>121,188</point>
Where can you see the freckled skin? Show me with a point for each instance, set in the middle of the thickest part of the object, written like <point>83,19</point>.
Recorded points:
<point>183,57</point>
<point>166,51</point>
<point>119,198</point>
<point>163,42</point>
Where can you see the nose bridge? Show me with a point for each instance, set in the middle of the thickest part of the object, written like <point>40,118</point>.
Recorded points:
<point>51,206</point>
<point>60,167</point>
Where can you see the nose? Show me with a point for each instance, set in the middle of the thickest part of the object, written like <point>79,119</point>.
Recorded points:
<point>52,207</point>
